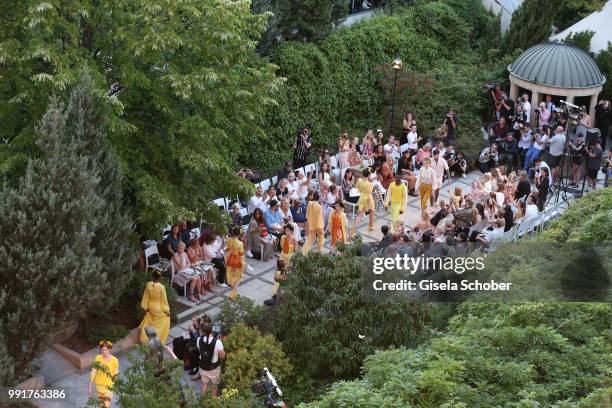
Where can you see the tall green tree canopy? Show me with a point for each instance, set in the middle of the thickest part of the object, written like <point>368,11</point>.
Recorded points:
<point>192,90</point>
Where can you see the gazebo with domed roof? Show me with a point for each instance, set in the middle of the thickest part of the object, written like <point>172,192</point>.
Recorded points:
<point>556,69</point>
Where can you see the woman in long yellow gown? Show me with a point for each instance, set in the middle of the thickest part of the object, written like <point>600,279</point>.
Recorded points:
<point>366,201</point>
<point>157,312</point>
<point>234,260</point>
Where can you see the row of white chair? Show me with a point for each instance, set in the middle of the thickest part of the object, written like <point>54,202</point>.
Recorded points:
<point>527,227</point>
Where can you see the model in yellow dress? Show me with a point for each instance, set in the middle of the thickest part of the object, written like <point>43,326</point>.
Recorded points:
<point>336,224</point>
<point>366,200</point>
<point>397,196</point>
<point>288,242</point>
<point>314,216</point>
<point>234,260</point>
<point>157,312</point>
<point>104,380</point>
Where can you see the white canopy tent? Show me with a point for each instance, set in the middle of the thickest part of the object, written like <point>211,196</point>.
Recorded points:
<point>600,22</point>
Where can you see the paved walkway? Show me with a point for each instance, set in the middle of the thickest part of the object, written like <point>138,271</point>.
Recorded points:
<point>257,286</point>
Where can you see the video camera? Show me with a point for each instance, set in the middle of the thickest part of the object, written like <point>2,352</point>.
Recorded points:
<point>489,86</point>
<point>267,387</point>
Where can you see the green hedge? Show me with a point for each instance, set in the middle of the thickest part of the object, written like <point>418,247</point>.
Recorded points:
<point>345,82</point>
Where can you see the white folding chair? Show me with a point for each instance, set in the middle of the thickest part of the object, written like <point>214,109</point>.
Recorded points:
<point>510,234</point>
<point>403,147</point>
<point>310,167</point>
<point>274,180</point>
<point>525,227</point>
<point>265,184</point>
<point>244,212</point>
<point>220,202</point>
<point>493,245</point>
<point>161,265</point>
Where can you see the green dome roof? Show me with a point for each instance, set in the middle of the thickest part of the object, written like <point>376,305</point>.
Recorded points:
<point>558,65</point>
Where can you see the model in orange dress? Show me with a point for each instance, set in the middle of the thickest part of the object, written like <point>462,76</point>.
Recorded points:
<point>336,224</point>
<point>234,260</point>
<point>288,243</point>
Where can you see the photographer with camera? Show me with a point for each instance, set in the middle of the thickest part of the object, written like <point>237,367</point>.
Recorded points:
<point>518,119</point>
<point>539,142</point>
<point>594,160</point>
<point>211,353</point>
<point>488,158</point>
<point>557,144</point>
<point>301,147</point>
<point>543,115</point>
<point>578,150</point>
<point>524,101</point>
<point>508,148</point>
<point>603,116</point>
<point>498,130</point>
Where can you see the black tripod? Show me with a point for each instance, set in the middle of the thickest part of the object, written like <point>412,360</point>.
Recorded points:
<point>561,186</point>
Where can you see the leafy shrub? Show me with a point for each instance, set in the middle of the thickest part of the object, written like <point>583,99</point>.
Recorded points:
<point>574,225</point>
<point>243,310</point>
<point>248,351</point>
<point>493,355</point>
<point>112,332</point>
<point>328,323</point>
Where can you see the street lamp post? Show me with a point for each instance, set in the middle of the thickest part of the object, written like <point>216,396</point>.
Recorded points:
<point>397,65</point>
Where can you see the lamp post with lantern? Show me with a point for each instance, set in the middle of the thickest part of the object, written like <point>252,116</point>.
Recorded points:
<point>397,65</point>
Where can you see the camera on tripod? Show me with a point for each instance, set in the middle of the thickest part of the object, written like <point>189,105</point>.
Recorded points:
<point>267,387</point>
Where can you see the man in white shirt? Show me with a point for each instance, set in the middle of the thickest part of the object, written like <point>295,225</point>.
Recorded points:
<point>413,139</point>
<point>527,107</point>
<point>440,166</point>
<point>489,235</point>
<point>392,148</point>
<point>211,353</point>
<point>257,201</point>
<point>292,185</point>
<point>557,144</point>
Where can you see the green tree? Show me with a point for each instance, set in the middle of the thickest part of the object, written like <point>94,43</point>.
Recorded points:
<point>531,23</point>
<point>49,267</point>
<point>248,351</point>
<point>572,11</point>
<point>581,40</point>
<point>328,323</point>
<point>604,62</point>
<point>85,120</point>
<point>521,355</point>
<point>192,91</point>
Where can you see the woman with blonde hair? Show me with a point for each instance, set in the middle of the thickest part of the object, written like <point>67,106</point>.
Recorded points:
<point>156,308</point>
<point>104,376</point>
<point>234,260</point>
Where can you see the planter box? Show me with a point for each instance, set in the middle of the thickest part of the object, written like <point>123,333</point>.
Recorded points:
<point>62,334</point>
<point>37,382</point>
<point>84,360</point>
